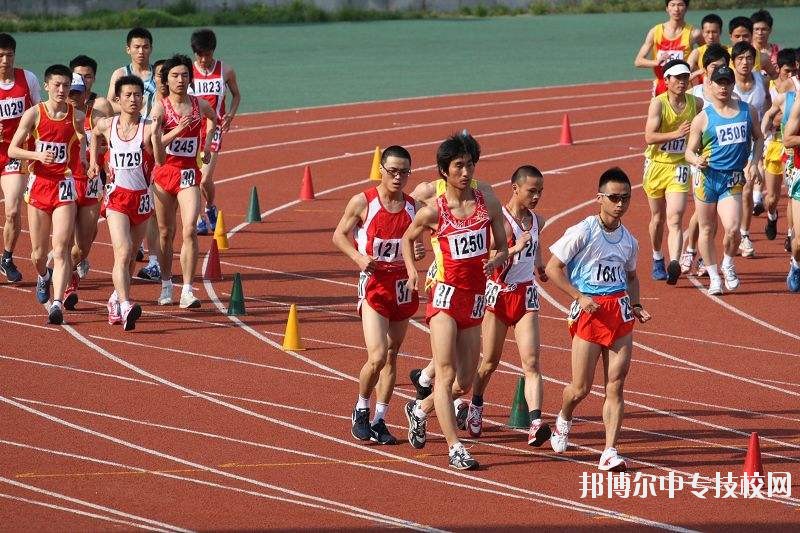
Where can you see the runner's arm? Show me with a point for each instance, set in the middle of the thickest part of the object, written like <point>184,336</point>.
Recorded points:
<point>791,134</point>
<point>112,84</point>
<point>633,292</point>
<point>211,125</point>
<point>537,259</point>
<point>80,119</point>
<point>498,236</point>
<point>342,235</point>
<point>772,112</point>
<point>651,133</point>
<point>33,87</point>
<point>156,141</point>
<point>641,60</point>
<point>752,171</point>
<point>236,98</point>
<point>425,218</point>
<point>693,143</point>
<point>26,125</point>
<point>100,129</point>
<point>103,106</point>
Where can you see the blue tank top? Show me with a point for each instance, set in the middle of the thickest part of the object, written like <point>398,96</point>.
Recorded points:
<point>726,141</point>
<point>149,89</point>
<point>787,108</point>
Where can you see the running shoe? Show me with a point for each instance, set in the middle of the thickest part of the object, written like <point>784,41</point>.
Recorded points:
<point>165,298</point>
<point>714,287</point>
<point>673,272</point>
<point>380,433</point>
<point>731,279</point>
<point>659,272</point>
<point>71,292</point>
<point>746,247</point>
<point>114,316</point>
<point>130,317</point>
<point>9,269</point>
<point>55,315</point>
<point>43,287</point>
<point>558,440</point>
<point>793,279</point>
<point>202,226</point>
<point>151,272</point>
<point>82,269</point>
<point>611,461</point>
<point>687,260</point>
<point>460,459</point>
<point>701,268</point>
<point>538,433</point>
<point>475,420</point>
<point>461,409</point>
<point>422,392</point>
<point>360,418</point>
<point>771,229</point>
<point>416,427</point>
<point>211,215</point>
<point>140,254</point>
<point>188,300</point>
<point>787,244</point>
<point>758,209</point>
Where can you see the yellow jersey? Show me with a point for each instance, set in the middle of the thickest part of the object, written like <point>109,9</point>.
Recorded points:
<point>672,151</point>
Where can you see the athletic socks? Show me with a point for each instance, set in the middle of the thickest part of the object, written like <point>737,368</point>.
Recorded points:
<point>424,379</point>
<point>690,250</point>
<point>186,289</point>
<point>477,400</point>
<point>727,260</point>
<point>758,196</point>
<point>418,412</point>
<point>657,256</point>
<point>124,306</point>
<point>380,411</point>
<point>362,403</point>
<point>152,260</point>
<point>712,271</point>
<point>46,276</point>
<point>114,296</point>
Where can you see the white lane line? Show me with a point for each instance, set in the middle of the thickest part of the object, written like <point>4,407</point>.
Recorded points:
<point>73,369</point>
<point>18,323</point>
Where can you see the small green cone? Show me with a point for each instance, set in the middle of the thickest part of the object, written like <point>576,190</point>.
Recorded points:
<point>236,303</point>
<point>254,211</point>
<point>519,418</point>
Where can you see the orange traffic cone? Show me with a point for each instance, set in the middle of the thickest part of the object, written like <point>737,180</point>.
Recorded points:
<point>752,461</point>
<point>220,233</point>
<point>307,189</point>
<point>291,338</point>
<point>213,271</point>
<point>566,131</point>
<point>375,170</point>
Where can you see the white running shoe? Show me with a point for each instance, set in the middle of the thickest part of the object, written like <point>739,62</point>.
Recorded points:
<point>687,259</point>
<point>166,295</point>
<point>475,420</point>
<point>611,461</point>
<point>746,247</point>
<point>731,279</point>
<point>715,287</point>
<point>188,301</point>
<point>558,440</point>
<point>114,314</point>
<point>83,268</point>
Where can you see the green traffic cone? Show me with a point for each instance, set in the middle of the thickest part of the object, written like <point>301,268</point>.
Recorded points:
<point>254,211</point>
<point>236,303</point>
<point>519,418</point>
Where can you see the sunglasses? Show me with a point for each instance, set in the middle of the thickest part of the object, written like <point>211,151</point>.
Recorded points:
<point>616,198</point>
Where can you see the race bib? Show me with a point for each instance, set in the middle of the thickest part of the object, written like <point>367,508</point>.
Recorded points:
<point>574,312</point>
<point>732,133</point>
<point>145,203</point>
<point>665,56</point>
<point>183,146</point>
<point>14,166</point>
<point>66,190</point>
<point>527,252</point>
<point>187,178</point>
<point>209,87</point>
<point>682,174</point>
<point>736,178</point>
<point>478,307</point>
<point>126,160</point>
<point>442,296</point>
<point>388,250</point>
<point>675,146</point>
<point>625,309</point>
<point>491,293</point>
<point>468,244</point>
<point>531,298</point>
<point>608,273</point>
<point>93,187</point>
<point>59,150</point>
<point>12,108</point>
<point>363,277</point>
<point>402,292</point>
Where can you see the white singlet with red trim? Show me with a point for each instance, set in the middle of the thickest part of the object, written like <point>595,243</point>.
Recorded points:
<point>126,158</point>
<point>381,233</point>
<point>521,268</point>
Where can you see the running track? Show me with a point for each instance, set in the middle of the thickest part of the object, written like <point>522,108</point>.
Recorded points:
<point>201,421</point>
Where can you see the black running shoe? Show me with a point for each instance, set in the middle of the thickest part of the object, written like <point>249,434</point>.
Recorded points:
<point>361,429</point>
<point>771,229</point>
<point>758,209</point>
<point>140,254</point>
<point>416,427</point>
<point>461,415</point>
<point>422,392</point>
<point>787,244</point>
<point>55,315</point>
<point>460,459</point>
<point>9,269</point>
<point>673,272</point>
<point>380,433</point>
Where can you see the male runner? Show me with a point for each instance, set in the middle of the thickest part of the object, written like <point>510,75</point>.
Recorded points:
<point>212,79</point>
<point>133,142</point>
<point>666,174</point>
<point>19,91</point>
<point>599,255</point>
<point>512,301</point>
<point>719,145</point>
<point>378,218</point>
<point>461,223</point>
<point>56,128</point>
<point>711,28</point>
<point>177,180</point>
<point>791,140</point>
<point>741,29</point>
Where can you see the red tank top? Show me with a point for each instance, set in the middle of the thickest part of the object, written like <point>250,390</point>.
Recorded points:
<point>58,136</point>
<point>380,234</point>
<point>182,151</point>
<point>461,245</point>
<point>13,103</point>
<point>211,87</point>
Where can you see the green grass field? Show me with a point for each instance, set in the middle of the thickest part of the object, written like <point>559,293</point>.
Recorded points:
<point>304,65</point>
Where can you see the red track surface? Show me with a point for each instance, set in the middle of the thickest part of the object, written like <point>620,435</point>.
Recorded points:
<point>197,421</point>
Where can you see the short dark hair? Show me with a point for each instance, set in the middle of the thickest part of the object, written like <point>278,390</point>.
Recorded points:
<point>395,151</point>
<point>762,15</point>
<point>139,33</point>
<point>176,61</point>
<point>787,57</point>
<point>83,61</point>
<point>455,146</point>
<point>7,42</point>
<point>711,18</point>
<point>738,22</point>
<point>715,52</point>
<point>524,172</point>
<point>157,63</point>
<point>741,48</point>
<point>613,175</point>
<point>128,80</point>
<point>203,40</point>
<point>57,70</point>
<point>666,2</point>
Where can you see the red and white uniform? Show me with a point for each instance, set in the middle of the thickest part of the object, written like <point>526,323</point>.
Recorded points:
<point>88,191</point>
<point>460,247</point>
<point>128,190</point>
<point>210,86</point>
<point>511,292</point>
<point>52,185</point>
<point>180,169</point>
<point>15,99</point>
<point>380,236</point>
